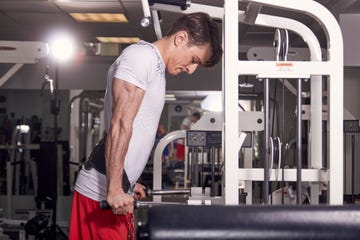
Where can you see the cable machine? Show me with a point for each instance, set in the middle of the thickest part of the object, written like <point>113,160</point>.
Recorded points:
<point>313,70</point>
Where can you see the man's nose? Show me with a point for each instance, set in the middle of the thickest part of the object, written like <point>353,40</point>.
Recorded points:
<point>190,69</point>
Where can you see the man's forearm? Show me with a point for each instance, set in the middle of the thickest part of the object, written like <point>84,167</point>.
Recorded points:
<point>126,102</point>
<point>116,148</point>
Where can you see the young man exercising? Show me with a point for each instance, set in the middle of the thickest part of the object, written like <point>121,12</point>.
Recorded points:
<point>134,99</point>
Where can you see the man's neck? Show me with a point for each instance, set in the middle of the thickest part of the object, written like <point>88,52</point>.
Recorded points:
<point>165,46</point>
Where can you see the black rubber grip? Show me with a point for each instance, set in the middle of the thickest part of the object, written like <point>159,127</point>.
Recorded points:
<point>104,205</point>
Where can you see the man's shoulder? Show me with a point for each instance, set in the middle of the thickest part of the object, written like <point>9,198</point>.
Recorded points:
<point>186,121</point>
<point>141,47</point>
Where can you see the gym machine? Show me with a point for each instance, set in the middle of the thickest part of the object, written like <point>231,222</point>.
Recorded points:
<point>268,222</point>
<point>20,53</point>
<point>34,225</point>
<point>313,69</point>
<point>20,167</point>
<point>88,113</point>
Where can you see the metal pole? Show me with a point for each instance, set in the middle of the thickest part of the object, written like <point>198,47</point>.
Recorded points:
<point>212,171</point>
<point>352,168</point>
<point>202,175</point>
<point>192,168</point>
<point>266,142</point>
<point>168,192</point>
<point>56,99</point>
<point>196,167</point>
<point>344,162</point>
<point>299,145</point>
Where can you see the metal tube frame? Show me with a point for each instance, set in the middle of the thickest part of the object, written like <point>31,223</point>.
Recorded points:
<point>332,67</point>
<point>265,196</point>
<point>299,143</point>
<point>157,163</point>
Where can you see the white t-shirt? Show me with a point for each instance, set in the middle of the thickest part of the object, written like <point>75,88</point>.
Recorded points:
<point>186,123</point>
<point>139,64</point>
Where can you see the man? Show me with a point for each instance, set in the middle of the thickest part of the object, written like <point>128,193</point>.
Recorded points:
<point>188,121</point>
<point>185,125</point>
<point>168,150</point>
<point>134,100</point>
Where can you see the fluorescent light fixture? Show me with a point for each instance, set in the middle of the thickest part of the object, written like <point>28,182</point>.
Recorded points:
<point>170,97</point>
<point>123,40</point>
<point>99,17</point>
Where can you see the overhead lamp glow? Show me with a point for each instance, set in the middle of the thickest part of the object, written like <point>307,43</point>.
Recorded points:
<point>212,102</point>
<point>62,48</point>
<point>170,97</point>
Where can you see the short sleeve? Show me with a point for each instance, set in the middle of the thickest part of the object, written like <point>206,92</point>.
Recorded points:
<point>134,65</point>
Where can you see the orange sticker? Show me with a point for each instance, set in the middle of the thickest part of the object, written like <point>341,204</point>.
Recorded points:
<point>284,64</point>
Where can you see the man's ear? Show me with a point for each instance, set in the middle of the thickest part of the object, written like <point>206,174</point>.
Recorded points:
<point>180,38</point>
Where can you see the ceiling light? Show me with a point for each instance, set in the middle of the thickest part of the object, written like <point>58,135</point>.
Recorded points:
<point>122,40</point>
<point>170,97</point>
<point>62,46</point>
<point>99,17</point>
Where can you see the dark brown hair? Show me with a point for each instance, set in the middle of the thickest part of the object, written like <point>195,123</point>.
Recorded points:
<point>202,30</point>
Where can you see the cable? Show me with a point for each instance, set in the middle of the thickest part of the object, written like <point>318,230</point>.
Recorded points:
<point>288,143</point>
<point>242,108</point>
<point>274,108</point>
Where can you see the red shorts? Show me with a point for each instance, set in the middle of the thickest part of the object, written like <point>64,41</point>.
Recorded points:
<point>180,151</point>
<point>90,222</point>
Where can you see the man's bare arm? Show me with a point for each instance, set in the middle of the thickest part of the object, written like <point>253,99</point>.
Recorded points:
<point>126,102</point>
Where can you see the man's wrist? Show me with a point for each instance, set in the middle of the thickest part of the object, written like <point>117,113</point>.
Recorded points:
<point>115,189</point>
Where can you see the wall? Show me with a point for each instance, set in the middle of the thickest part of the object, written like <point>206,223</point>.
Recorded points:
<point>88,74</point>
<point>352,103</point>
<point>350,27</point>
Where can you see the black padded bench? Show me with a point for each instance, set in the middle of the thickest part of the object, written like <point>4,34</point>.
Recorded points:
<point>252,222</point>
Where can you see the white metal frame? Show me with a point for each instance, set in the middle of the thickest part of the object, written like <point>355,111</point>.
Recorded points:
<point>332,67</point>
<point>157,162</point>
<point>20,53</point>
<point>316,90</point>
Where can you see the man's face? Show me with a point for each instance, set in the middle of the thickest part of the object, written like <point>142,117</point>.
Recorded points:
<point>193,119</point>
<point>188,57</point>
